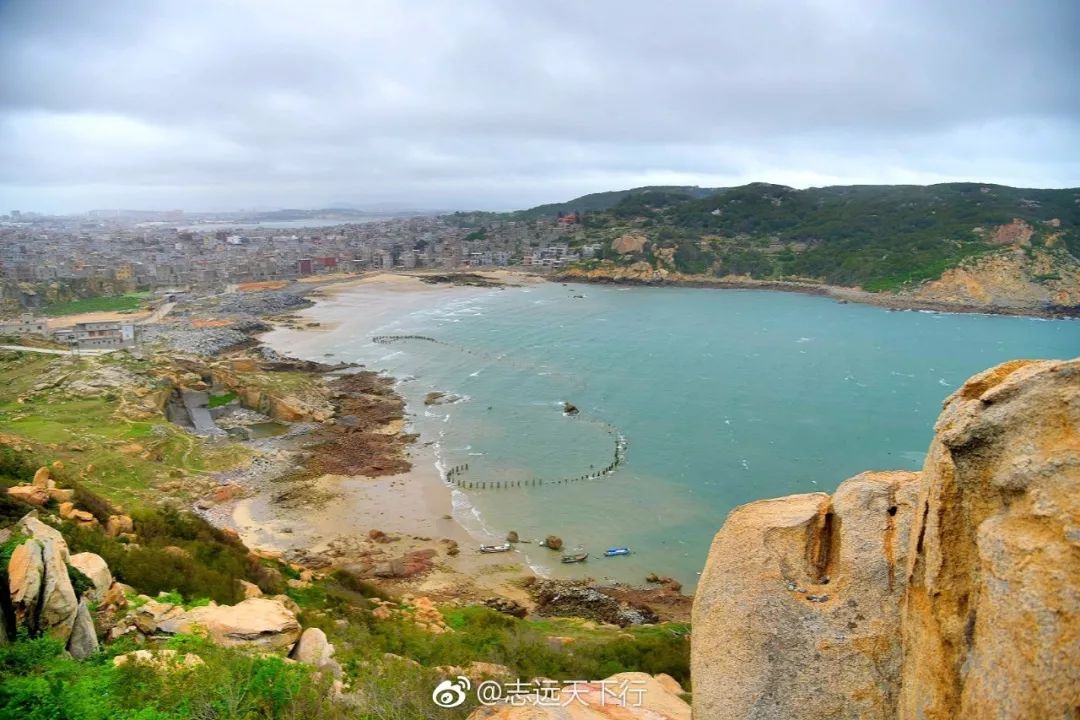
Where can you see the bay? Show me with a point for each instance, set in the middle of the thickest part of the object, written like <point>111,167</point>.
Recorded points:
<point>720,397</point>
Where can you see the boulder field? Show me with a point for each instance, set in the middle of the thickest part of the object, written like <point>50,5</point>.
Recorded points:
<point>43,599</point>
<point>949,593</point>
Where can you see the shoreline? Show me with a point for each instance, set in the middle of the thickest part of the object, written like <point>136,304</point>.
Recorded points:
<point>428,498</point>
<point>837,292</point>
<point>415,508</point>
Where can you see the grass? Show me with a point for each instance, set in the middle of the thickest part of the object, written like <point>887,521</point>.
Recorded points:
<point>39,682</point>
<point>392,662</point>
<point>111,303</point>
<point>482,634</point>
<point>220,400</point>
<point>120,458</point>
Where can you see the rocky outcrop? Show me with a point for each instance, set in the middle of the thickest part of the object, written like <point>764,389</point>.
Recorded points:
<point>41,592</point>
<point>991,620</point>
<point>573,598</point>
<point>42,598</point>
<point>553,542</point>
<point>1011,279</point>
<point>797,610</point>
<point>949,593</point>
<point>261,622</point>
<point>625,696</point>
<point>314,649</point>
<point>639,272</point>
<point>629,243</point>
<point>274,396</point>
<point>29,494</point>
<point>118,525</point>
<point>94,567</point>
<point>83,641</point>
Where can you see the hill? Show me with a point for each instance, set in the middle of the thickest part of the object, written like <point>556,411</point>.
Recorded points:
<point>884,237</point>
<point>600,201</point>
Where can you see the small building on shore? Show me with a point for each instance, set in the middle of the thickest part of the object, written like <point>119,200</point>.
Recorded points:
<point>94,335</point>
<point>25,324</point>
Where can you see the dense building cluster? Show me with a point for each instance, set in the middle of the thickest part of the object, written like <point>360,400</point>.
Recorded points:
<point>53,259</point>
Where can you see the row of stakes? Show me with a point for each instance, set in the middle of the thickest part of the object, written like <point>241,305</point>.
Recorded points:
<point>453,474</point>
<point>387,339</point>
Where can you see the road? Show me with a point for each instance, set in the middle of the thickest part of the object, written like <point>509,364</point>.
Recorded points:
<point>49,351</point>
<point>158,315</point>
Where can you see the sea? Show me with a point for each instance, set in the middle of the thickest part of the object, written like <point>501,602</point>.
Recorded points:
<point>689,402</point>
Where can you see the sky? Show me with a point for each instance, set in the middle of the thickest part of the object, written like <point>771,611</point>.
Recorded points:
<point>502,104</point>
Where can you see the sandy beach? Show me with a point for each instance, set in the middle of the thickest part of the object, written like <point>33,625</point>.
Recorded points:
<point>338,514</point>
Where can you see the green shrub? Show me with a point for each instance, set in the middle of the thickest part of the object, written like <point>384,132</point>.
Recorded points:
<point>220,400</point>
<point>39,682</point>
<point>79,581</point>
<point>209,566</point>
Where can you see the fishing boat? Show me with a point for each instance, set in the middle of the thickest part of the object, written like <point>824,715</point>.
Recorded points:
<point>575,558</point>
<point>505,547</point>
<point>616,551</point>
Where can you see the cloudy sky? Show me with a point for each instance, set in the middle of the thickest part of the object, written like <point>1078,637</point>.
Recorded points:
<point>500,104</point>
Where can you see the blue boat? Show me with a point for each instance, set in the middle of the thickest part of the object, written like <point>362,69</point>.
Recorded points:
<point>616,551</point>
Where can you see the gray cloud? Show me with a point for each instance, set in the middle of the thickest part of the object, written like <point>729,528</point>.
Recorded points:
<point>508,103</point>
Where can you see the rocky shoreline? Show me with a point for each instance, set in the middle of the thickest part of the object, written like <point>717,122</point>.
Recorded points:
<point>346,485</point>
<point>888,301</point>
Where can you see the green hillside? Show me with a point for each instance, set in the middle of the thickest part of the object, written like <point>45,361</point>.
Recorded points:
<point>879,237</point>
<point>606,200</point>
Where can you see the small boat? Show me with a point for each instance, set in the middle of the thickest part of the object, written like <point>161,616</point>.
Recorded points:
<point>616,551</point>
<point>505,547</point>
<point>575,558</point>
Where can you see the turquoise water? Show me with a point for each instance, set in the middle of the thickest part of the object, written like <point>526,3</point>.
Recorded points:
<point>720,396</point>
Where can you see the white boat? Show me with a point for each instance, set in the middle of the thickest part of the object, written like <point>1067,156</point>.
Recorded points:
<point>505,547</point>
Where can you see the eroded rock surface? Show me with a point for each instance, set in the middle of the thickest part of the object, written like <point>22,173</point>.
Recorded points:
<point>797,610</point>
<point>991,622</point>
<point>260,622</point>
<point>954,592</point>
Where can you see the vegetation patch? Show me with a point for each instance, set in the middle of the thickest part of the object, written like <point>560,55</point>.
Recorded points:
<point>221,400</point>
<point>111,303</point>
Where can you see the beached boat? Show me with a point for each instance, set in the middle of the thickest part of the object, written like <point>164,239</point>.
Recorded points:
<point>616,551</point>
<point>505,547</point>
<point>575,558</point>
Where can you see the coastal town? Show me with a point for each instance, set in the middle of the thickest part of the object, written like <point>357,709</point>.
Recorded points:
<point>47,259</point>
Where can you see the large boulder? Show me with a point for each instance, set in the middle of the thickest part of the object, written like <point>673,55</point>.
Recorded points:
<point>151,614</point>
<point>625,696</point>
<point>313,648</point>
<point>118,525</point>
<point>94,567</point>
<point>26,574</point>
<point>29,494</point>
<point>43,598</point>
<point>83,641</point>
<point>42,478</point>
<point>261,622</point>
<point>797,611</point>
<point>992,615</point>
<point>951,596</point>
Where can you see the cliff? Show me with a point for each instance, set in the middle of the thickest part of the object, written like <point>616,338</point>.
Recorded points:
<point>1011,279</point>
<point>956,246</point>
<point>941,594</point>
